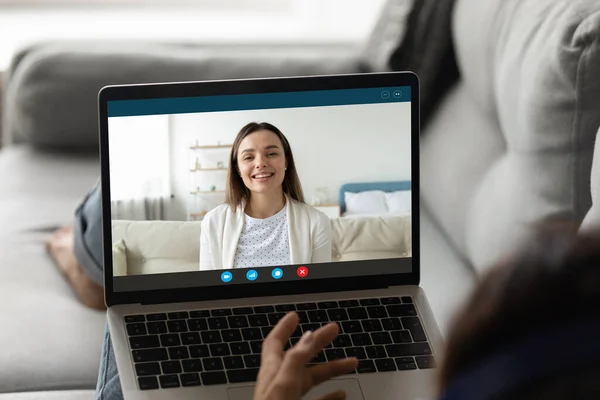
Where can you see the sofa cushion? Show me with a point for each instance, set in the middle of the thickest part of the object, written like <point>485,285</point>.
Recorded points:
<point>387,34</point>
<point>363,238</point>
<point>445,276</point>
<point>49,340</point>
<point>51,96</point>
<point>166,246</point>
<point>159,246</point>
<point>517,144</point>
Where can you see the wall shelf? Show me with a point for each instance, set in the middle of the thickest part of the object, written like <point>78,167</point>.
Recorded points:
<point>216,146</point>
<point>205,195</point>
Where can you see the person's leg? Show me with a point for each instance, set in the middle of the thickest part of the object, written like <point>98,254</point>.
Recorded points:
<point>108,386</point>
<point>87,235</point>
<point>77,251</point>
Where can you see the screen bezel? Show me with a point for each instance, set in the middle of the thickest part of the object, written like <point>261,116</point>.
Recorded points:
<point>255,86</point>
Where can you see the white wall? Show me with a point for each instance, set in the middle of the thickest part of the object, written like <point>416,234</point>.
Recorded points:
<point>331,146</point>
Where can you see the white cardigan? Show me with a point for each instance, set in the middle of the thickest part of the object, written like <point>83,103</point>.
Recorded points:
<point>309,232</point>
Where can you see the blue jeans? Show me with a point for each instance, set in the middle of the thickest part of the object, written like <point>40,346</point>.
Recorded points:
<point>88,251</point>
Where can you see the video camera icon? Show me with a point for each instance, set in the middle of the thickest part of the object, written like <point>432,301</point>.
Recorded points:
<point>226,276</point>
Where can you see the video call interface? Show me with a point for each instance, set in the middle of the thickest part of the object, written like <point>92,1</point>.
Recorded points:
<point>221,190</point>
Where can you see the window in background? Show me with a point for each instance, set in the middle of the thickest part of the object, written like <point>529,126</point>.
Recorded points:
<point>139,156</point>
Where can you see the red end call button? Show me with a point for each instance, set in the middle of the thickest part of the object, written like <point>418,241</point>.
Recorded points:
<point>302,271</point>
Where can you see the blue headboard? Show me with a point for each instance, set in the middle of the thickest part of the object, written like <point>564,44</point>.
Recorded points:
<point>357,187</point>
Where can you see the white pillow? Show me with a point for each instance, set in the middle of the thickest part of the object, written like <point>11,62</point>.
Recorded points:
<point>367,202</point>
<point>399,202</point>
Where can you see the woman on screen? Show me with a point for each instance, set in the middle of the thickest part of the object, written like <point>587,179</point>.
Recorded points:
<point>264,220</point>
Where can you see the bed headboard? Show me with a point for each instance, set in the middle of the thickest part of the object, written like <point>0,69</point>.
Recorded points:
<point>357,187</point>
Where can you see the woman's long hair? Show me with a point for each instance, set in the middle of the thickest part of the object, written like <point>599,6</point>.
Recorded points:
<point>236,192</point>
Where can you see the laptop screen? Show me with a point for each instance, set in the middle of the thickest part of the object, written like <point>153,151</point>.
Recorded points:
<point>240,189</point>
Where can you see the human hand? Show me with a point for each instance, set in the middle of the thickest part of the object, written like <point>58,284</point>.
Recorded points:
<point>285,376</point>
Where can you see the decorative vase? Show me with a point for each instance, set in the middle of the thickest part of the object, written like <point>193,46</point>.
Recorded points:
<point>321,196</point>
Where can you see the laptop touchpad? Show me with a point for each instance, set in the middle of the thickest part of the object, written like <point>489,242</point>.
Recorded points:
<point>350,386</point>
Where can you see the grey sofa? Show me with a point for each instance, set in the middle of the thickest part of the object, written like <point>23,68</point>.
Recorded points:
<point>511,143</point>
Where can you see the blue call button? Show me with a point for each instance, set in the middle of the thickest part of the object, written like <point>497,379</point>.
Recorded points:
<point>226,276</point>
<point>251,275</point>
<point>277,273</point>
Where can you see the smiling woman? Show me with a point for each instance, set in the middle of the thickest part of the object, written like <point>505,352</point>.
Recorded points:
<point>264,220</point>
<point>261,162</point>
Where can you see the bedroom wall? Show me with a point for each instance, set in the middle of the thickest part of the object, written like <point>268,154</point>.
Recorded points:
<point>331,146</point>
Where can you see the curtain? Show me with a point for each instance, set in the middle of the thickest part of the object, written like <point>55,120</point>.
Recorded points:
<point>139,167</point>
<point>144,209</point>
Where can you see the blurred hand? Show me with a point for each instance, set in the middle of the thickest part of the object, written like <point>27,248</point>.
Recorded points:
<point>285,376</point>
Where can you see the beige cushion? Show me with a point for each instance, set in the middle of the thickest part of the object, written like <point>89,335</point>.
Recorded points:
<point>51,99</point>
<point>363,238</point>
<point>166,246</point>
<point>159,246</point>
<point>513,143</point>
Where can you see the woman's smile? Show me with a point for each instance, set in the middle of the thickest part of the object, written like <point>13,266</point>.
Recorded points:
<point>262,176</point>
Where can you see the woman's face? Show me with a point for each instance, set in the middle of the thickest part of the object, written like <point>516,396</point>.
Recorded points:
<point>261,162</point>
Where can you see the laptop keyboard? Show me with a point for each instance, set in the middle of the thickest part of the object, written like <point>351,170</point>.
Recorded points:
<point>219,346</point>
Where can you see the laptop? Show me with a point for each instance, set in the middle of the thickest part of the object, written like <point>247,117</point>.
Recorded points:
<point>170,153</point>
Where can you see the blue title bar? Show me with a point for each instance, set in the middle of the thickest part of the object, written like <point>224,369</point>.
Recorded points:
<point>261,101</point>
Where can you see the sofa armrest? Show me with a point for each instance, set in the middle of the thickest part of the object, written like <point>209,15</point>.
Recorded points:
<point>51,95</point>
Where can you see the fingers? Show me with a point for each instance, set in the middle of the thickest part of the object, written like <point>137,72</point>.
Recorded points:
<point>323,372</point>
<point>274,343</point>
<point>325,335</point>
<point>280,334</point>
<point>309,345</point>
<point>337,395</point>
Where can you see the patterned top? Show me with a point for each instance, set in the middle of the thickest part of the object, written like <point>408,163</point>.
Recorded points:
<point>263,242</point>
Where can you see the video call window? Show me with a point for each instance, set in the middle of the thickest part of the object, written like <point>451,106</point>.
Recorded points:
<point>260,188</point>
